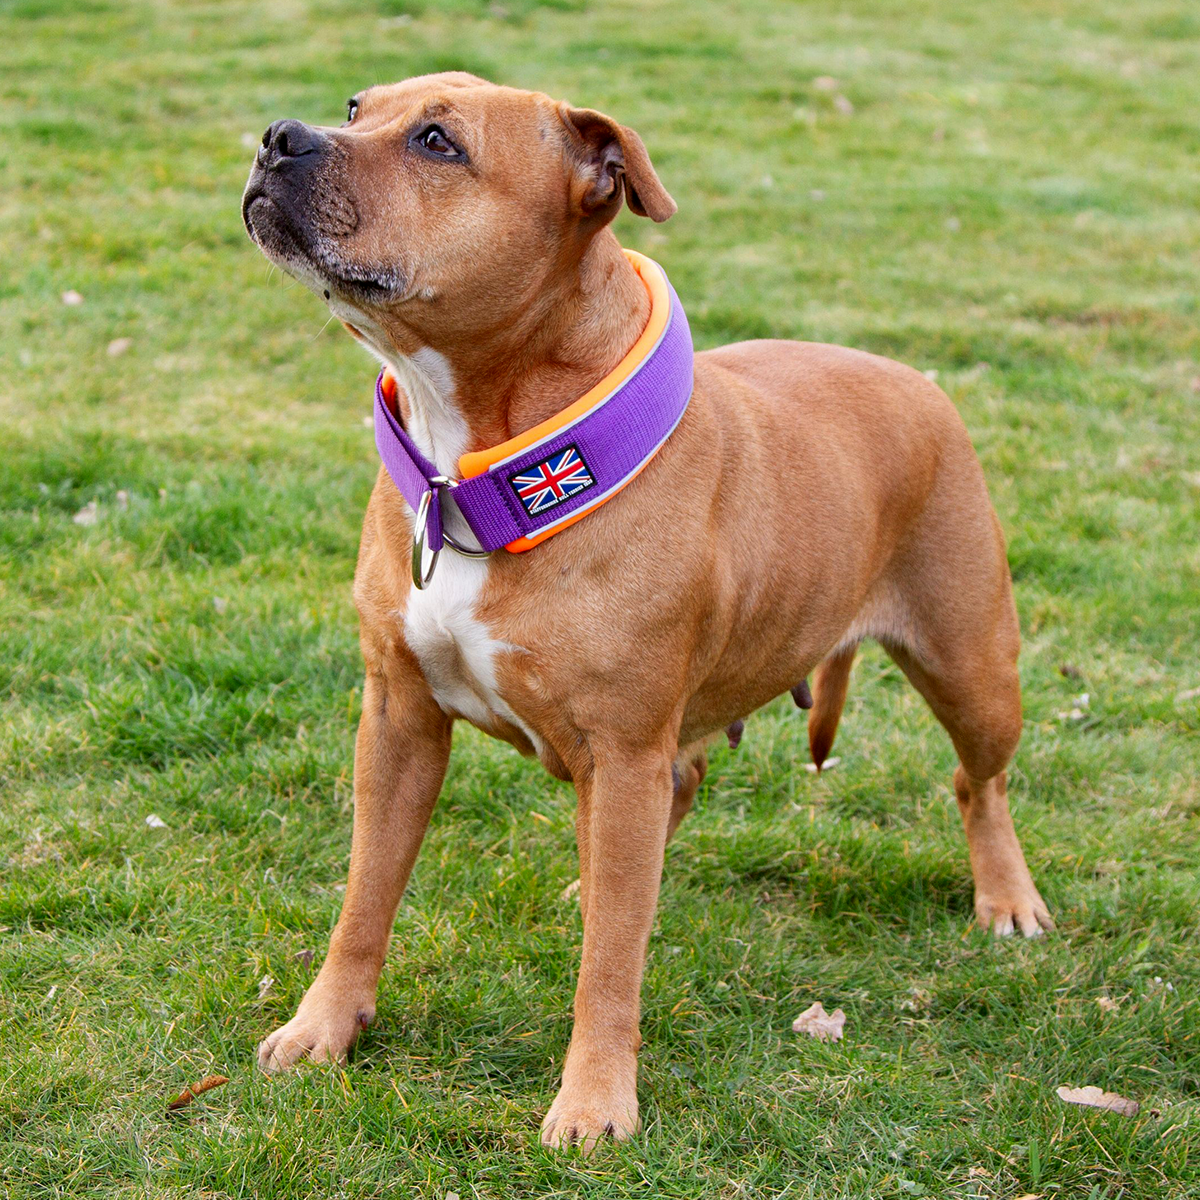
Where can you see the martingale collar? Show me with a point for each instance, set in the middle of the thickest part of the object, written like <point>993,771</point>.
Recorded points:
<point>525,490</point>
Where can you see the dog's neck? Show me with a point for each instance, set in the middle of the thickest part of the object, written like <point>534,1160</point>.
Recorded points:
<point>472,396</point>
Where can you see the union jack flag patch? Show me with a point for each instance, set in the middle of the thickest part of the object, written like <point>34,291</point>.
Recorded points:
<point>548,483</point>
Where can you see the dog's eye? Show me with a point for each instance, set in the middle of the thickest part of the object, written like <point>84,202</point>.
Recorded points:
<point>433,140</point>
<point>351,110</point>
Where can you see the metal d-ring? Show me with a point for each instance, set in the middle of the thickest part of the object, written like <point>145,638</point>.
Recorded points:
<point>465,551</point>
<point>420,577</point>
<point>457,547</point>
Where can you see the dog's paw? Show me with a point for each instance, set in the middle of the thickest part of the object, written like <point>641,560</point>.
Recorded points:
<point>320,1032</point>
<point>582,1120</point>
<point>1004,915</point>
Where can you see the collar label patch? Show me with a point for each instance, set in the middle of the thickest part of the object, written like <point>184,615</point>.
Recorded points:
<point>548,483</point>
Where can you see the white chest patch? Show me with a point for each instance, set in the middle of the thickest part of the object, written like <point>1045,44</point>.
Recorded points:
<point>456,650</point>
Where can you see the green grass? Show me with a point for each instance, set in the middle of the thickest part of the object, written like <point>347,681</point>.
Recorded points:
<point>1012,203</point>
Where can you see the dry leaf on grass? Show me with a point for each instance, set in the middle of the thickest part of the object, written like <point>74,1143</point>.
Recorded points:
<point>155,821</point>
<point>816,1022</point>
<point>264,986</point>
<point>197,1089</point>
<point>1094,1097</point>
<point>1106,1004</point>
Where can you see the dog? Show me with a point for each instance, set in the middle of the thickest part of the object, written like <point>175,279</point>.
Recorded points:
<point>809,496</point>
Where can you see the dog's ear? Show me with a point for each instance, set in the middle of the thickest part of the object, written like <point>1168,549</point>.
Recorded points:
<point>606,156</point>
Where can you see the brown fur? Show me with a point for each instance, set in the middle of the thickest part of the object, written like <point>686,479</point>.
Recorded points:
<point>812,496</point>
<point>832,680</point>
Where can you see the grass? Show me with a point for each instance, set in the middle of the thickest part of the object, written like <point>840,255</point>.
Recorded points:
<point>1012,203</point>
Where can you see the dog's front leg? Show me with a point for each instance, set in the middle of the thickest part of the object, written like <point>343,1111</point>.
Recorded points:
<point>399,762</point>
<point>625,806</point>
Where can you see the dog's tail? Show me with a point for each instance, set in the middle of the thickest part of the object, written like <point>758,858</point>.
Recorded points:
<point>830,681</point>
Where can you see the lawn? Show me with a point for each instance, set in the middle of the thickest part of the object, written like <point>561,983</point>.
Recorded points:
<point>1005,194</point>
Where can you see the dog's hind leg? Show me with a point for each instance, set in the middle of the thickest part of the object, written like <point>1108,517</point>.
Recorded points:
<point>980,706</point>
<point>960,652</point>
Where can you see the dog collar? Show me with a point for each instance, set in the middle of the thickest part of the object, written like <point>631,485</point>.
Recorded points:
<point>527,489</point>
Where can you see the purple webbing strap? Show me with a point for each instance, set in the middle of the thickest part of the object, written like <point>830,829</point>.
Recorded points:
<point>614,440</point>
<point>410,470</point>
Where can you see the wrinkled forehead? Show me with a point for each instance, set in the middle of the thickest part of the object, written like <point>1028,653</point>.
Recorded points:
<point>485,108</point>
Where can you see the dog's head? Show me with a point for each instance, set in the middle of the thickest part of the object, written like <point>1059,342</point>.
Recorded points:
<point>443,204</point>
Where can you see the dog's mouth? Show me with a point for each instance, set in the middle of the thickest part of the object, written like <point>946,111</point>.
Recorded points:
<point>267,224</point>
<point>297,246</point>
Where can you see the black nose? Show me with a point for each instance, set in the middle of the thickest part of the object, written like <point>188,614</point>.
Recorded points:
<point>288,139</point>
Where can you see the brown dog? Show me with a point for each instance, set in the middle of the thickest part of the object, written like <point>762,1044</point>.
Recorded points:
<point>812,496</point>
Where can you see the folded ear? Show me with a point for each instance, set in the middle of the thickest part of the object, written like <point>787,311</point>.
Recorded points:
<point>605,155</point>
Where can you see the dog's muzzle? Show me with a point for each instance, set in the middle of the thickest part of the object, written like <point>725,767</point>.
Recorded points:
<point>281,181</point>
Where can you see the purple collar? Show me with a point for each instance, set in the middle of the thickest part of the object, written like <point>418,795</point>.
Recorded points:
<point>533,486</point>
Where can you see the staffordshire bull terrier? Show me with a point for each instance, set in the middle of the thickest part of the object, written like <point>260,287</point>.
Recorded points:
<point>778,503</point>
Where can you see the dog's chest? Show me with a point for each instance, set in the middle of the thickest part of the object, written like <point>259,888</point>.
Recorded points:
<point>456,650</point>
